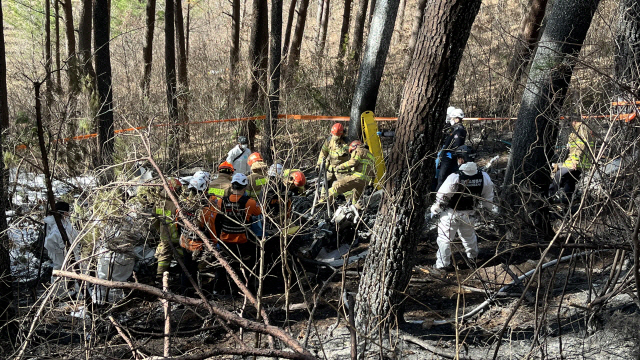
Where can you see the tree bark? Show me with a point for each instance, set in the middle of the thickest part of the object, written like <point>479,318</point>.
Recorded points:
<point>372,8</point>
<point>72,59</point>
<point>287,32</point>
<point>47,58</point>
<point>6,280</point>
<point>400,21</point>
<point>173,147</point>
<point>372,66</point>
<point>101,34</point>
<point>344,30</point>
<point>627,51</point>
<point>84,39</point>
<point>322,27</point>
<point>183,74</point>
<point>536,128</point>
<point>358,30</point>
<point>270,125</point>
<point>259,57</point>
<point>527,40</point>
<point>57,28</point>
<point>147,50</point>
<point>298,34</point>
<point>426,94</point>
<point>234,51</point>
<point>415,31</point>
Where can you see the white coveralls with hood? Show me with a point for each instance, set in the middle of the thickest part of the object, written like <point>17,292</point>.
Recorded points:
<point>239,155</point>
<point>55,245</point>
<point>459,191</point>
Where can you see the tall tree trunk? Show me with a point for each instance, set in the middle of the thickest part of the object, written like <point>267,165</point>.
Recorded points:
<point>270,125</point>
<point>298,34</point>
<point>84,39</point>
<point>183,74</point>
<point>6,279</point>
<point>372,66</point>
<point>344,30</point>
<point>358,30</point>
<point>415,31</point>
<point>147,49</point>
<point>527,40</point>
<point>322,27</point>
<point>47,56</point>
<point>287,32</point>
<point>101,34</point>
<point>57,28</point>
<point>173,146</point>
<point>426,94</point>
<point>536,129</point>
<point>258,53</point>
<point>234,51</point>
<point>627,51</point>
<point>72,59</point>
<point>372,8</point>
<point>400,21</point>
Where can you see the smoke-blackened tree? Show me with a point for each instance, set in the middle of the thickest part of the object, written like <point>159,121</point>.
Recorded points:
<point>426,94</point>
<point>627,50</point>
<point>358,30</point>
<point>173,147</point>
<point>275,55</point>
<point>259,59</point>
<point>147,49</point>
<point>101,33</point>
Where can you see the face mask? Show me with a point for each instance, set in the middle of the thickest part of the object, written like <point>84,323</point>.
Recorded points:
<point>452,122</point>
<point>242,146</point>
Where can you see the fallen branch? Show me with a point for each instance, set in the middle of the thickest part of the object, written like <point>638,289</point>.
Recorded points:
<point>433,349</point>
<point>242,352</point>
<point>222,313</point>
<point>126,338</point>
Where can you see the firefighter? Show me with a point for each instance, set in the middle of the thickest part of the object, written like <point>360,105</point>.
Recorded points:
<point>258,177</point>
<point>335,151</point>
<point>456,202</point>
<point>567,174</point>
<point>295,180</point>
<point>358,172</point>
<point>239,155</point>
<point>276,201</point>
<point>454,137</point>
<point>165,213</point>
<point>221,185</point>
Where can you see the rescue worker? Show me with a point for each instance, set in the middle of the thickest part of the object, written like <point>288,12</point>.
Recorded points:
<point>295,180</point>
<point>221,185</point>
<point>335,151</point>
<point>454,137</point>
<point>258,177</point>
<point>565,176</point>
<point>456,202</point>
<point>165,212</point>
<point>239,155</point>
<point>359,172</point>
<point>53,242</point>
<point>274,198</point>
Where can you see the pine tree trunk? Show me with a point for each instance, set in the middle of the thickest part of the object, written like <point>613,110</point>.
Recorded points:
<point>415,31</point>
<point>72,59</point>
<point>322,27</point>
<point>47,57</point>
<point>287,32</point>
<point>372,8</point>
<point>84,39</point>
<point>372,66</point>
<point>426,94</point>
<point>173,146</point>
<point>344,30</point>
<point>271,124</point>
<point>147,50</point>
<point>101,34</point>
<point>298,34</point>
<point>234,51</point>
<point>358,30</point>
<point>58,63</point>
<point>400,21</point>
<point>6,279</point>
<point>254,99</point>
<point>627,51</point>
<point>536,129</point>
<point>183,74</point>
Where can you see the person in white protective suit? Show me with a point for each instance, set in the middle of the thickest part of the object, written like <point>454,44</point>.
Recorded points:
<point>239,155</point>
<point>456,202</point>
<point>53,241</point>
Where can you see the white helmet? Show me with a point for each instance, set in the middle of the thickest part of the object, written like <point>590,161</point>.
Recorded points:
<point>199,180</point>
<point>240,178</point>
<point>275,170</point>
<point>202,174</point>
<point>453,113</point>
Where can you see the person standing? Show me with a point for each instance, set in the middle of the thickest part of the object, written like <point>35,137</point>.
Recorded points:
<point>358,172</point>
<point>335,151</point>
<point>456,202</point>
<point>258,177</point>
<point>454,137</point>
<point>239,155</point>
<point>221,185</point>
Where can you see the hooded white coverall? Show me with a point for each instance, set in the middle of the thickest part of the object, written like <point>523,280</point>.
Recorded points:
<point>458,221</point>
<point>240,153</point>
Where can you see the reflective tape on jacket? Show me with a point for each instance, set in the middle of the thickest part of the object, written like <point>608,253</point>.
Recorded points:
<point>161,211</point>
<point>216,191</point>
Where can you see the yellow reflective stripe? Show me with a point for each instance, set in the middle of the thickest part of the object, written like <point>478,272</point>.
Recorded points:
<point>362,176</point>
<point>216,192</point>
<point>261,181</point>
<point>161,211</point>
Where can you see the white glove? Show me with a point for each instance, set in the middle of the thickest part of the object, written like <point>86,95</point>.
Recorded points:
<point>495,209</point>
<point>435,209</point>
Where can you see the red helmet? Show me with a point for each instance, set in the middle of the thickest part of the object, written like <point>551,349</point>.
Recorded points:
<point>226,167</point>
<point>253,158</point>
<point>337,129</point>
<point>298,178</point>
<point>174,183</point>
<point>354,144</point>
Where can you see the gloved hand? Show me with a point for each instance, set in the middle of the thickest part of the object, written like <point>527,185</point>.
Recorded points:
<point>435,209</point>
<point>495,210</point>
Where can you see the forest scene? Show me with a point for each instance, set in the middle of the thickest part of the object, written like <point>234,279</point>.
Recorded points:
<point>296,179</point>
